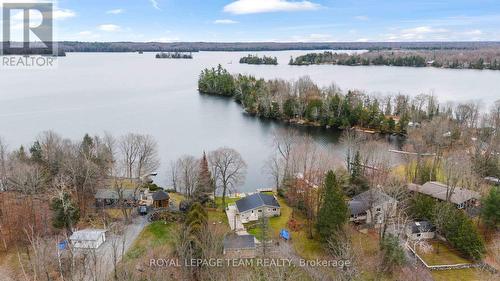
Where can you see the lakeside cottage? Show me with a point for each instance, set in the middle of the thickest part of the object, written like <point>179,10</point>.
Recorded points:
<point>239,246</point>
<point>254,206</point>
<point>419,230</point>
<point>462,198</point>
<point>372,207</point>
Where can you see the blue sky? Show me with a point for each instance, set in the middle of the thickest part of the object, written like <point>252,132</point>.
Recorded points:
<point>277,20</point>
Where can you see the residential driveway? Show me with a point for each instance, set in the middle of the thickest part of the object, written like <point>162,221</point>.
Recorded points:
<point>104,265</point>
<point>234,219</point>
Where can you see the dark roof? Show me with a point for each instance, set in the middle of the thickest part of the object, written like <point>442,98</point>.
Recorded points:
<point>233,241</point>
<point>160,195</point>
<point>112,194</point>
<point>255,201</point>
<point>422,226</point>
<point>363,201</point>
<point>357,207</point>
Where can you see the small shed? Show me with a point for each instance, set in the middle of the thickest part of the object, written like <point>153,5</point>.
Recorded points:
<point>239,246</point>
<point>420,230</point>
<point>160,199</point>
<point>88,238</point>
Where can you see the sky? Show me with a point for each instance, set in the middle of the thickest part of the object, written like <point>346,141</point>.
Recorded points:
<point>273,20</point>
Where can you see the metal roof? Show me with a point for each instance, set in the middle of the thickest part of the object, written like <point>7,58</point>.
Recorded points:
<point>234,241</point>
<point>255,201</point>
<point>87,234</point>
<point>438,190</point>
<point>113,194</point>
<point>422,226</point>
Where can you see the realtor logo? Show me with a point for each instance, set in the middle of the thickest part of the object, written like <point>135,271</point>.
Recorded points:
<point>42,41</point>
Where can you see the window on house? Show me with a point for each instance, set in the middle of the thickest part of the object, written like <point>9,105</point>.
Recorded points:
<point>378,209</point>
<point>274,209</point>
<point>260,211</point>
<point>418,235</point>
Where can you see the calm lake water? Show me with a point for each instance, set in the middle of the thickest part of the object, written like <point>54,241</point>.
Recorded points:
<point>125,92</point>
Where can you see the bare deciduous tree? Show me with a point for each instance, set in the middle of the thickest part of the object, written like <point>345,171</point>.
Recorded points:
<point>230,169</point>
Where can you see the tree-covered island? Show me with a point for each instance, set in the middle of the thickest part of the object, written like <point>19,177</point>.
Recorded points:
<point>254,59</point>
<point>455,59</point>
<point>174,55</point>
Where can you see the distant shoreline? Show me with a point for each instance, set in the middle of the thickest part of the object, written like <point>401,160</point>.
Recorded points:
<point>73,46</point>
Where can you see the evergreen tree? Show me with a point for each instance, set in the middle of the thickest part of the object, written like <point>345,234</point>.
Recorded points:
<point>204,183</point>
<point>393,253</point>
<point>491,208</point>
<point>66,212</point>
<point>333,212</point>
<point>36,152</point>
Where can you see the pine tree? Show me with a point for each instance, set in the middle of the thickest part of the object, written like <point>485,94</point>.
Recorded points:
<point>204,180</point>
<point>66,212</point>
<point>333,212</point>
<point>36,152</point>
<point>491,208</point>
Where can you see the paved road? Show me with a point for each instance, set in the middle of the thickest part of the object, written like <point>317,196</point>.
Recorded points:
<point>233,219</point>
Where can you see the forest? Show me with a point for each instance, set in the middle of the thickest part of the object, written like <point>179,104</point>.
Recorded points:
<point>303,102</point>
<point>455,59</point>
<point>254,59</point>
<point>75,46</point>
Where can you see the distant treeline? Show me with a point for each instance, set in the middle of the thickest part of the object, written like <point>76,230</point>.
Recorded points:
<point>303,102</point>
<point>265,46</point>
<point>174,55</point>
<point>251,59</point>
<point>457,59</point>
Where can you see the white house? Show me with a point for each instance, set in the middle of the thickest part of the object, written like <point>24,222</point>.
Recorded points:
<point>88,238</point>
<point>254,206</point>
<point>420,230</point>
<point>372,207</point>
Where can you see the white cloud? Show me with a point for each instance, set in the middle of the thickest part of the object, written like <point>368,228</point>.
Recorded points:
<point>35,15</point>
<point>362,18</point>
<point>225,21</point>
<point>61,14</point>
<point>115,11</point>
<point>419,33</point>
<point>109,27</point>
<point>155,4</point>
<point>241,7</point>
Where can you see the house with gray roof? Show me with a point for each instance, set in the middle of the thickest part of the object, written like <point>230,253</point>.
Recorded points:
<point>419,230</point>
<point>108,197</point>
<point>254,206</point>
<point>460,197</point>
<point>372,207</point>
<point>239,246</point>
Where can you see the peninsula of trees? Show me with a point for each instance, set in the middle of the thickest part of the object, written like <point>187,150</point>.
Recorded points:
<point>251,59</point>
<point>456,59</point>
<point>305,103</point>
<point>175,55</point>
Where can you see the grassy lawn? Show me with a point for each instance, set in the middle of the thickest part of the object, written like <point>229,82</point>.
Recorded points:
<point>218,201</point>
<point>156,234</point>
<point>446,255</point>
<point>468,274</point>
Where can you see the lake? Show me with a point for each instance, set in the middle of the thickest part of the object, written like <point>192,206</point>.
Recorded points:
<point>129,92</point>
